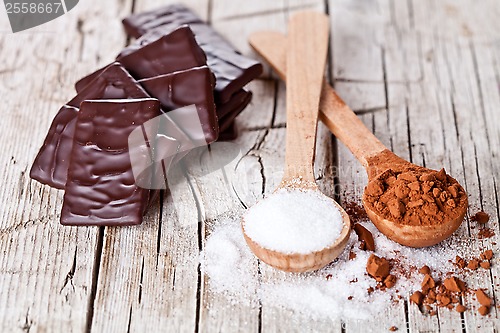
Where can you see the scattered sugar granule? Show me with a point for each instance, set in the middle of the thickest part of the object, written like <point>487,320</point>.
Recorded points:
<point>294,221</point>
<point>342,289</point>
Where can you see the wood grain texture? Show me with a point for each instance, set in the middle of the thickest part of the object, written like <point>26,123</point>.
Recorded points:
<point>422,75</point>
<point>46,270</point>
<point>334,112</point>
<point>307,45</point>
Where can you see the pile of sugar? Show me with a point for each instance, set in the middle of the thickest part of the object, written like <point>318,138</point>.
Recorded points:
<point>339,290</point>
<point>294,221</point>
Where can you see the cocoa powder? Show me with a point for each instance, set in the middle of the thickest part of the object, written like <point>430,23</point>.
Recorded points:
<point>379,269</point>
<point>416,196</point>
<point>485,233</point>
<point>481,217</point>
<point>355,211</point>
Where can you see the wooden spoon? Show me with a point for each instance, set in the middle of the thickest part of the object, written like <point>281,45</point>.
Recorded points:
<point>372,154</point>
<point>307,49</point>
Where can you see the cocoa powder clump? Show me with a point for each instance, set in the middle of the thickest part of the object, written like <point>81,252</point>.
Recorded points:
<point>416,196</point>
<point>481,217</point>
<point>378,268</point>
<point>425,270</point>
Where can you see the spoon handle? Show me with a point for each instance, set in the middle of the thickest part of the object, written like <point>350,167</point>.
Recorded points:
<point>334,112</point>
<point>307,46</point>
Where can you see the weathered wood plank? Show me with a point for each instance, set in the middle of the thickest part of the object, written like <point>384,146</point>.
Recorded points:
<point>433,101</point>
<point>46,270</point>
<point>200,7</point>
<point>359,75</point>
<point>425,74</point>
<point>453,87</point>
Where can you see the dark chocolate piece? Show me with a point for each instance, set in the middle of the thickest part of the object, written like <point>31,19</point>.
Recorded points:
<point>169,53</point>
<point>183,88</point>
<point>51,164</point>
<point>232,70</point>
<point>101,188</point>
<point>234,103</point>
<point>173,52</point>
<point>228,119</point>
<point>229,134</point>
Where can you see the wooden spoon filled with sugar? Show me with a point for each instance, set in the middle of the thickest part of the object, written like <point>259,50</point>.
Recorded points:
<point>298,228</point>
<point>410,204</point>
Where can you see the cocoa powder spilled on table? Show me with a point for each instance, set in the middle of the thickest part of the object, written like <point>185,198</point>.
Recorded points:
<point>416,196</point>
<point>485,233</point>
<point>447,293</point>
<point>355,211</point>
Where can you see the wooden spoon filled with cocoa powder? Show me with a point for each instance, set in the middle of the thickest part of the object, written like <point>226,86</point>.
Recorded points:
<point>410,204</point>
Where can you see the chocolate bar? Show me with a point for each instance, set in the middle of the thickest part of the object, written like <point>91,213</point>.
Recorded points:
<point>171,52</point>
<point>230,133</point>
<point>101,188</point>
<point>183,88</point>
<point>51,164</point>
<point>231,69</point>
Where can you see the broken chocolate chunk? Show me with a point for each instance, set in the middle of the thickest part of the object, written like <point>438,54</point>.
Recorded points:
<point>365,236</point>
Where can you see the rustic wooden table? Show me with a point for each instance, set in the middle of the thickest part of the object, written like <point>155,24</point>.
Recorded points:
<point>423,75</point>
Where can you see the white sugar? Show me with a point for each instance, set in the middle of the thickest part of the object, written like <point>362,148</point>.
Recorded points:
<point>339,290</point>
<point>294,221</point>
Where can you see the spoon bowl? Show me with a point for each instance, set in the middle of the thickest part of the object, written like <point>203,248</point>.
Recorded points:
<point>405,234</point>
<point>307,50</point>
<point>414,235</point>
<point>298,262</point>
<point>372,153</point>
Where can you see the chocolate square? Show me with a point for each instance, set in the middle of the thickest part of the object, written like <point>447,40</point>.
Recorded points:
<point>51,164</point>
<point>183,88</point>
<point>101,188</point>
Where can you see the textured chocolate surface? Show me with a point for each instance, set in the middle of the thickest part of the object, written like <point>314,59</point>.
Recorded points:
<point>51,164</point>
<point>169,53</point>
<point>101,187</point>
<point>183,88</point>
<point>172,52</point>
<point>232,70</point>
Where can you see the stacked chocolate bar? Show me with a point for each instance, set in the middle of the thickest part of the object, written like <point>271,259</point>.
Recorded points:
<point>88,152</point>
<point>232,70</point>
